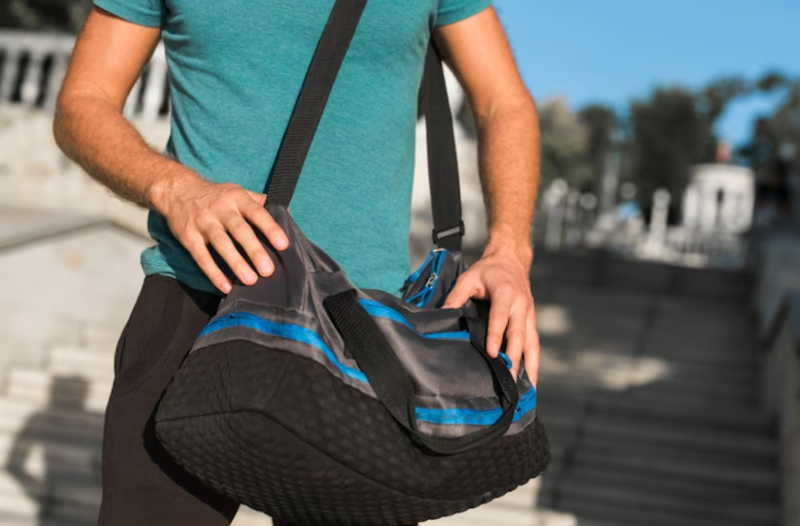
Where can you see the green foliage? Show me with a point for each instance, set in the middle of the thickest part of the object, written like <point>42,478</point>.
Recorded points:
<point>601,123</point>
<point>665,134</point>
<point>44,15</point>
<point>565,141</point>
<point>775,132</point>
<point>714,98</point>
<point>669,133</point>
<point>774,80</point>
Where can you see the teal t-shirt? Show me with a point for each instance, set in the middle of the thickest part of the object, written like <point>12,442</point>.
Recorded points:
<point>235,70</point>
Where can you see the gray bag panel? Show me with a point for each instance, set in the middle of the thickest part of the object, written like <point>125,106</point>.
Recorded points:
<point>285,312</point>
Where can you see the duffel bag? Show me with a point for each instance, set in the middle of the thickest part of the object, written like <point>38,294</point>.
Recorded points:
<point>322,404</point>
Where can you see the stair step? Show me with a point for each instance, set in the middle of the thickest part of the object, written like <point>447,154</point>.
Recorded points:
<point>622,458</point>
<point>665,436</point>
<point>248,517</point>
<point>653,406</point>
<point>493,516</point>
<point>67,422</point>
<point>38,386</point>
<point>9,518</point>
<point>674,468</point>
<point>616,515</point>
<point>735,511</point>
<point>14,500</point>
<point>513,509</point>
<point>67,360</point>
<point>668,486</point>
<point>710,353</point>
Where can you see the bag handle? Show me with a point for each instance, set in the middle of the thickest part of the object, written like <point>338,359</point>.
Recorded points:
<point>317,86</point>
<point>393,385</point>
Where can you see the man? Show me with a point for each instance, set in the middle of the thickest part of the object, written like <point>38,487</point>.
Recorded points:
<point>235,70</point>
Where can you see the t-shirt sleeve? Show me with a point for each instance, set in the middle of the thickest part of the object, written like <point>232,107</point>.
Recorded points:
<point>148,13</point>
<point>452,11</point>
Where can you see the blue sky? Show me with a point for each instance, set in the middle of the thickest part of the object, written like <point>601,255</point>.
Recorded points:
<point>610,51</point>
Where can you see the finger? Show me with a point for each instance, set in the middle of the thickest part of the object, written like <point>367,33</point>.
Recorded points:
<point>261,199</point>
<point>532,348</point>
<point>243,233</point>
<point>261,219</point>
<point>515,337</point>
<point>499,315</point>
<point>221,241</point>
<point>198,249</point>
<point>461,293</point>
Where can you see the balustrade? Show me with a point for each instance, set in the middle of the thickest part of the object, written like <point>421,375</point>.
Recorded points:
<point>33,67</point>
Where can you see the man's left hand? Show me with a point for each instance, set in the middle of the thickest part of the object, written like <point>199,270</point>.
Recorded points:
<point>502,277</point>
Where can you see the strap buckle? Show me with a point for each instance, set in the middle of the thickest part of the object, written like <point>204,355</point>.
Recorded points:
<point>449,231</point>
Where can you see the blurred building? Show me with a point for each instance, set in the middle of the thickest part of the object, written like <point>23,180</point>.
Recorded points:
<point>719,197</point>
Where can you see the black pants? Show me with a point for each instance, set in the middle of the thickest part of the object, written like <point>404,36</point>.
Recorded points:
<point>142,486</point>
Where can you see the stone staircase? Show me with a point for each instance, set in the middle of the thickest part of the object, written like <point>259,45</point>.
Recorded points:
<point>650,393</point>
<point>51,426</point>
<point>648,390</point>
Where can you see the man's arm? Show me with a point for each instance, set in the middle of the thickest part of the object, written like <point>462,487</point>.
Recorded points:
<point>478,52</point>
<point>91,130</point>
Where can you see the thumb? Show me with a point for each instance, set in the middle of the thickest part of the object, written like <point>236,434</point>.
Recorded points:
<point>258,198</point>
<point>460,294</point>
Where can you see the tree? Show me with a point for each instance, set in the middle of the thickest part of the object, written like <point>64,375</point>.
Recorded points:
<point>565,141</point>
<point>716,96</point>
<point>781,129</point>
<point>670,133</point>
<point>601,124</point>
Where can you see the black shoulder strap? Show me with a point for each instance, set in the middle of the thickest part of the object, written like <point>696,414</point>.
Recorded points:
<point>448,228</point>
<point>317,87</point>
<point>325,65</point>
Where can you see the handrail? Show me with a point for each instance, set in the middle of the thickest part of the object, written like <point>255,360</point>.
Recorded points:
<point>33,67</point>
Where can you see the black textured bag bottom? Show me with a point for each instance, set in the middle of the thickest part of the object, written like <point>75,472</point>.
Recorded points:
<point>238,430</point>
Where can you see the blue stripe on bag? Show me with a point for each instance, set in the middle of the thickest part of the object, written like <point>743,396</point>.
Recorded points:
<point>287,331</point>
<point>379,310</point>
<point>298,333</point>
<point>475,417</point>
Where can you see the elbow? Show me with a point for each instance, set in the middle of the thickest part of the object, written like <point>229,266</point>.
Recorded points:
<point>59,132</point>
<point>59,135</point>
<point>61,121</point>
<point>520,104</point>
<point>517,107</point>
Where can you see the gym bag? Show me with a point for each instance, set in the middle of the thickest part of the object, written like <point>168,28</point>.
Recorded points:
<point>322,404</point>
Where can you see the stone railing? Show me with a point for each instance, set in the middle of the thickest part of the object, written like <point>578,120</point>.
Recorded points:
<point>777,303</point>
<point>568,219</point>
<point>33,172</point>
<point>33,67</point>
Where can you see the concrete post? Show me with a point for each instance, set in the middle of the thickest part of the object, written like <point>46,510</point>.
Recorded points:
<point>659,215</point>
<point>610,182</point>
<point>554,207</point>
<point>10,73</point>
<point>32,79</point>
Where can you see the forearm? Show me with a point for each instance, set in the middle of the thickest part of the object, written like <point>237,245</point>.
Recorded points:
<point>509,166</point>
<point>92,131</point>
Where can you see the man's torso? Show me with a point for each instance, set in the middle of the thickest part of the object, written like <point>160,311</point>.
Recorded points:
<point>235,70</point>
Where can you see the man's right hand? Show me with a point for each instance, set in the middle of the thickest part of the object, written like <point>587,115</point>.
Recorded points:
<point>200,214</point>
